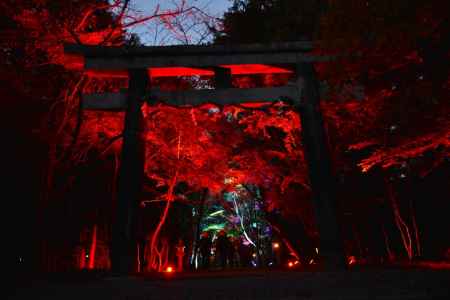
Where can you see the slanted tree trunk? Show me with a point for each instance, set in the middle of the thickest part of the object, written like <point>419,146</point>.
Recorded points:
<point>416,229</point>
<point>154,240</point>
<point>82,258</point>
<point>357,237</point>
<point>295,235</point>
<point>93,249</point>
<point>399,221</point>
<point>164,256</point>
<point>387,244</point>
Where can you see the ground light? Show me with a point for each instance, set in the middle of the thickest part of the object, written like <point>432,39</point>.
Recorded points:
<point>169,269</point>
<point>293,264</point>
<point>351,260</point>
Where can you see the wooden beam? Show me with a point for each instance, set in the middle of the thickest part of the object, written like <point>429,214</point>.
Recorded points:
<point>225,96</point>
<point>107,101</point>
<point>198,61</point>
<point>181,50</point>
<point>120,58</point>
<point>204,72</point>
<point>117,101</point>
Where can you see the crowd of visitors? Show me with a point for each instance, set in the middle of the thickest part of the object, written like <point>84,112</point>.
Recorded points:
<point>213,252</point>
<point>229,252</point>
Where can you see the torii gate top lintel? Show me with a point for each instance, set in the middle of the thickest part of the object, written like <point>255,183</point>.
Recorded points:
<point>220,61</point>
<point>187,50</point>
<point>187,60</point>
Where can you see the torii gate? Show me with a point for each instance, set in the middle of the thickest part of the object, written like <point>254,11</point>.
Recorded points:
<point>142,63</point>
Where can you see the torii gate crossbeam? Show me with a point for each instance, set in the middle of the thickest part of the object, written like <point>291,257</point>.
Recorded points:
<point>138,63</point>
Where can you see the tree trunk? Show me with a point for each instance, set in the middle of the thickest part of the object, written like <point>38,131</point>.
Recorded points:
<point>416,229</point>
<point>401,225</point>
<point>82,258</point>
<point>138,257</point>
<point>358,240</point>
<point>387,244</point>
<point>165,255</point>
<point>295,235</point>
<point>197,229</point>
<point>93,249</point>
<point>154,239</point>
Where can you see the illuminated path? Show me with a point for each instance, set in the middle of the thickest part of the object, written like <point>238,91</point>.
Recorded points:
<point>358,285</point>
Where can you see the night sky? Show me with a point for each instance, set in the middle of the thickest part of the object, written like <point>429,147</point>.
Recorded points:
<point>214,8</point>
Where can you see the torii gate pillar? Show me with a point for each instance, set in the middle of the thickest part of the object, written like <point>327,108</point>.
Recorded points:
<point>131,171</point>
<point>319,166</point>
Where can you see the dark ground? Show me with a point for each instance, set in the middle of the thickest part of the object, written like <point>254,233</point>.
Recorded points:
<point>414,283</point>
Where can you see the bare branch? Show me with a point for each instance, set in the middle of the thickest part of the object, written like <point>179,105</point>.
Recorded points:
<point>116,23</point>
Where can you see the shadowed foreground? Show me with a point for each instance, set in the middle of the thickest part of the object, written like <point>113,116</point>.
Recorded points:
<point>355,284</point>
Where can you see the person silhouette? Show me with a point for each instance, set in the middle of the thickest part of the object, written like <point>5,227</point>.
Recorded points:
<point>232,252</point>
<point>223,247</point>
<point>205,244</point>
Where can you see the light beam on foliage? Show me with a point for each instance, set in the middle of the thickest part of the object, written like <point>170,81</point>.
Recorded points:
<point>241,219</point>
<point>216,213</point>
<point>215,227</point>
